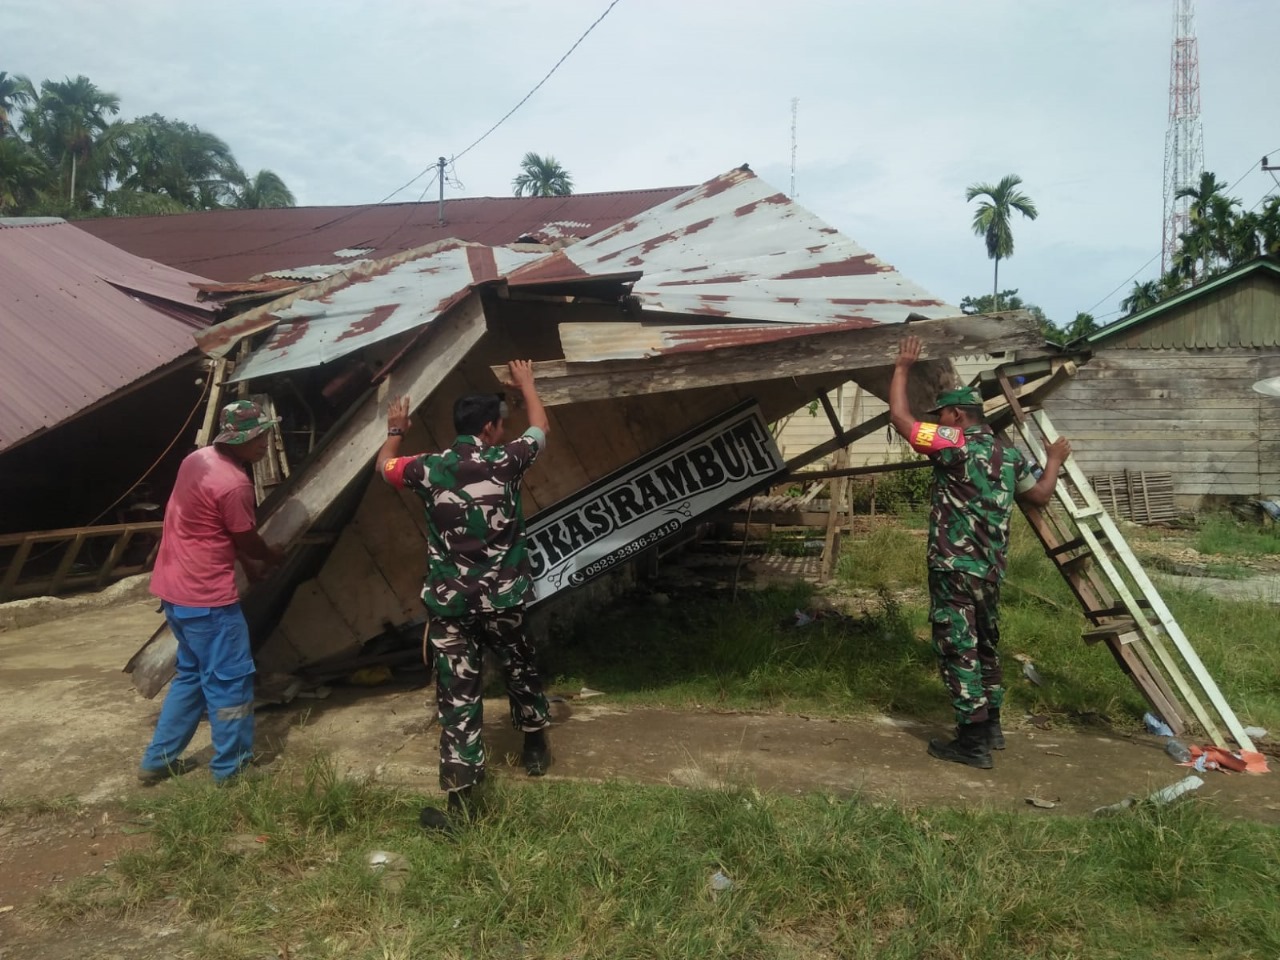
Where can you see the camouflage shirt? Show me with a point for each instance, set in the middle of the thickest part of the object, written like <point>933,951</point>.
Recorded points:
<point>477,556</point>
<point>975,477</point>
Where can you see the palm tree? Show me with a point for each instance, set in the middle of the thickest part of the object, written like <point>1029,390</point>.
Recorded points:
<point>1269,227</point>
<point>22,175</point>
<point>542,177</point>
<point>67,123</point>
<point>992,219</point>
<point>265,189</point>
<point>16,92</point>
<point>1143,295</point>
<point>169,158</point>
<point>1083,325</point>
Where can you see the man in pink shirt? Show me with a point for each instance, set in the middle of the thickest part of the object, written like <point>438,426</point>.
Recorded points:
<point>209,523</point>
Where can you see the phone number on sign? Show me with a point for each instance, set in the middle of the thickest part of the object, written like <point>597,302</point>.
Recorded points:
<point>629,550</point>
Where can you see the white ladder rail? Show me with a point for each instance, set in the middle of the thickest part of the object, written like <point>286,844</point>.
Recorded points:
<point>1158,606</point>
<point>1097,550</point>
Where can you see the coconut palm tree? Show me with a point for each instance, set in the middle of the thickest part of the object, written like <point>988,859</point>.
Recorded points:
<point>993,219</point>
<point>542,177</point>
<point>1269,227</point>
<point>264,189</point>
<point>16,92</point>
<point>169,158</point>
<point>1143,295</point>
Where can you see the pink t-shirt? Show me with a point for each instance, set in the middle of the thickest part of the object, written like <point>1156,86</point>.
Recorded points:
<point>212,499</point>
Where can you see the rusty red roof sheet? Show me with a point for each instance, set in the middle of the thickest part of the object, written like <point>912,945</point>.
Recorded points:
<point>79,320</point>
<point>732,249</point>
<point>231,245</point>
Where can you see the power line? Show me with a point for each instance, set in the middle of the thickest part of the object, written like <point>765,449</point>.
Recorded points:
<point>1135,273</point>
<point>507,116</point>
<point>458,156</point>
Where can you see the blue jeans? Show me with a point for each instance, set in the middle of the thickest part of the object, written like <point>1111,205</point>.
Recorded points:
<point>215,676</point>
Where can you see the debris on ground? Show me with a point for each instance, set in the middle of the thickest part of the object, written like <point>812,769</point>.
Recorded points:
<point>1041,803</point>
<point>1160,798</point>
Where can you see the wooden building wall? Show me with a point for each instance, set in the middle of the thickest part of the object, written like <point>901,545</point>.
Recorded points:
<point>1174,395</point>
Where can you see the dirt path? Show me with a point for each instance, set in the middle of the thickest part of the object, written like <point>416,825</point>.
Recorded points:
<point>72,725</point>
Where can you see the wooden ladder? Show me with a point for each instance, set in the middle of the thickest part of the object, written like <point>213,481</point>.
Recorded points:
<point>1124,608</point>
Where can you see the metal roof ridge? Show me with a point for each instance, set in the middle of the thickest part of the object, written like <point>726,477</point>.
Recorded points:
<point>1142,316</point>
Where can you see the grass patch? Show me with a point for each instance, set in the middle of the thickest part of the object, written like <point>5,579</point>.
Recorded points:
<point>1220,534</point>
<point>748,654</point>
<point>620,871</point>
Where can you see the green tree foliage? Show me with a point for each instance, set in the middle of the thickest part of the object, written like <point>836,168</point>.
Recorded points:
<point>542,177</point>
<point>67,156</point>
<point>1220,236</point>
<point>993,220</point>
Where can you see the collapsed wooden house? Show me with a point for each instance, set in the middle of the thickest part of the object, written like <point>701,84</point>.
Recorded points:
<point>727,300</point>
<point>664,346</point>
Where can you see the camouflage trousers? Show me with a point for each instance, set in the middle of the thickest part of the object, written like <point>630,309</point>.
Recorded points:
<point>963,612</point>
<point>457,645</point>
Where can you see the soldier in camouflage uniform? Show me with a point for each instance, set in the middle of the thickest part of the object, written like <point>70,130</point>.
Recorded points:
<point>478,575</point>
<point>976,477</point>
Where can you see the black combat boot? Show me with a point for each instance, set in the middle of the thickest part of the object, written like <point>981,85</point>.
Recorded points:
<point>995,736</point>
<point>969,747</point>
<point>536,755</point>
<point>460,810</point>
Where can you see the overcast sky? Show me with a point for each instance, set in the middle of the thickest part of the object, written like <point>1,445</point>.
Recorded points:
<point>902,104</point>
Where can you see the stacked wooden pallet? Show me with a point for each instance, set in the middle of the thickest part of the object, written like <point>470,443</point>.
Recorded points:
<point>1136,495</point>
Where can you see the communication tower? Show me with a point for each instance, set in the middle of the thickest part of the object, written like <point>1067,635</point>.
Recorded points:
<point>1184,139</point>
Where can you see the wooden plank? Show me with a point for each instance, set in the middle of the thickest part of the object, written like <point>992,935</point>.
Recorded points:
<point>117,551</point>
<point>315,626</point>
<point>14,569</point>
<point>106,529</point>
<point>807,476</point>
<point>356,440</point>
<point>68,559</point>
<point>358,590</point>
<point>833,352</point>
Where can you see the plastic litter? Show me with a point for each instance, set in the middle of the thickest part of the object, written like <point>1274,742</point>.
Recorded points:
<point>1254,733</point>
<point>1156,725</point>
<point>1161,797</point>
<point>1178,750</point>
<point>1175,790</point>
<point>1031,673</point>
<point>802,618</point>
<point>720,882</point>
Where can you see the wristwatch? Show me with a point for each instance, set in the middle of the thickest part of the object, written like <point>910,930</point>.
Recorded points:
<point>395,432</point>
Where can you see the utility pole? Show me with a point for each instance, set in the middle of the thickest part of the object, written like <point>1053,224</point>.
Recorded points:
<point>1184,137</point>
<point>795,106</point>
<point>440,177</point>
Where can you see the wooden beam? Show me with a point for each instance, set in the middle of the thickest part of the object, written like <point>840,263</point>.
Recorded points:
<point>836,351</point>
<point>348,450</point>
<point>838,443</point>
<point>806,475</point>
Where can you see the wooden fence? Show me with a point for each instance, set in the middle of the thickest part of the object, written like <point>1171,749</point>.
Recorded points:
<point>51,562</point>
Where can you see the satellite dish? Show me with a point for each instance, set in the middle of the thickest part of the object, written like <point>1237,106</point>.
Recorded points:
<point>1269,387</point>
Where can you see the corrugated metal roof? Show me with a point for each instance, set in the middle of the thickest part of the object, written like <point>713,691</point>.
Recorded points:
<point>231,245</point>
<point>732,249</point>
<point>735,248</point>
<point>79,320</point>
<point>373,306</point>
<point>1264,265</point>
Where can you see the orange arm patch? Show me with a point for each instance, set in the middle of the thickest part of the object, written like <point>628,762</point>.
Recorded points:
<point>931,437</point>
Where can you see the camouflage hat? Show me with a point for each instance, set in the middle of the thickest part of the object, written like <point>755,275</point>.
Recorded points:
<point>241,421</point>
<point>960,397</point>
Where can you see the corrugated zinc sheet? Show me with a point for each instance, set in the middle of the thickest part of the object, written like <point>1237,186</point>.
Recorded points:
<point>231,245</point>
<point>72,328</point>
<point>732,249</point>
<point>375,306</point>
<point>735,248</point>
